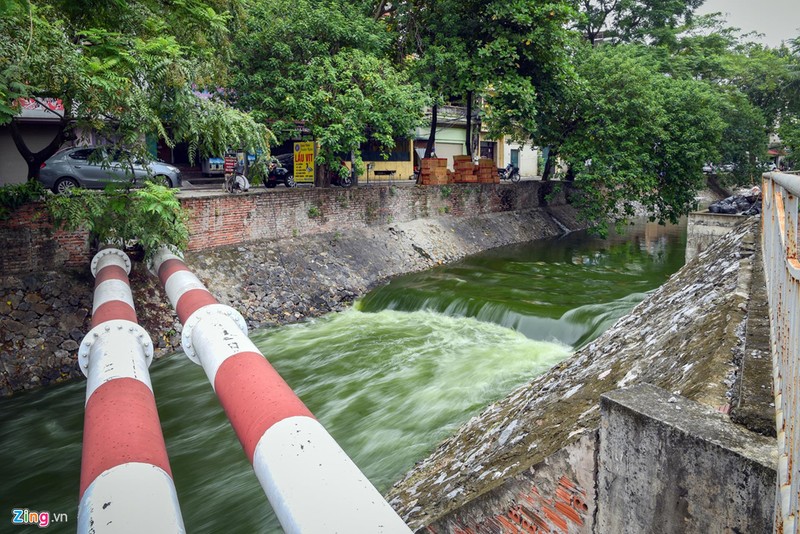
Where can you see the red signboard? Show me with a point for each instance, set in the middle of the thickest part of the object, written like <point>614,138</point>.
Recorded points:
<point>230,164</point>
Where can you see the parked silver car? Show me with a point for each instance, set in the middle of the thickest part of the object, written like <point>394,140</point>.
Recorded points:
<point>86,167</point>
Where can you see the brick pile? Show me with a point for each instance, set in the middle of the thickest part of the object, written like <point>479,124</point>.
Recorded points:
<point>434,171</point>
<point>466,171</point>
<point>487,171</point>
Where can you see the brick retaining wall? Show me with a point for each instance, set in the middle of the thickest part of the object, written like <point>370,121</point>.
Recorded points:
<point>28,242</point>
<point>219,219</point>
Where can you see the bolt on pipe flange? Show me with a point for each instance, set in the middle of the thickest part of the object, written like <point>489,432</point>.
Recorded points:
<point>126,261</point>
<point>210,310</point>
<point>108,328</point>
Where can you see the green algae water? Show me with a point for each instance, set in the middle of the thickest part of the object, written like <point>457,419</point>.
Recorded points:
<point>389,378</point>
<point>568,290</point>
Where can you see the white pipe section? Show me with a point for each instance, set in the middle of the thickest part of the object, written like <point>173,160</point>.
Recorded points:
<point>149,506</point>
<point>309,481</point>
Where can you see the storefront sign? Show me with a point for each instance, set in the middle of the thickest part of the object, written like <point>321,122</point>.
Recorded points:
<point>304,162</point>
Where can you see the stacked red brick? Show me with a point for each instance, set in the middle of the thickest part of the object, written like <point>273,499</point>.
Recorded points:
<point>433,171</point>
<point>464,170</point>
<point>487,171</point>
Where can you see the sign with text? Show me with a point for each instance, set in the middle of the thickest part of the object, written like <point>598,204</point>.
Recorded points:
<point>304,162</point>
<point>229,164</point>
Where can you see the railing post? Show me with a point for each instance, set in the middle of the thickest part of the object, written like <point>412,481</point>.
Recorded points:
<point>126,483</point>
<point>313,486</point>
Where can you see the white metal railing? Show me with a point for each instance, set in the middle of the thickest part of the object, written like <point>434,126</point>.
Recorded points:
<point>782,270</point>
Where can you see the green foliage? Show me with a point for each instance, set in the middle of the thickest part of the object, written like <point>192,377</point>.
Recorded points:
<point>14,196</point>
<point>445,191</point>
<point>258,171</point>
<point>314,212</point>
<point>633,20</point>
<point>638,137</point>
<point>151,216</point>
<point>327,70</point>
<point>790,135</point>
<point>125,69</point>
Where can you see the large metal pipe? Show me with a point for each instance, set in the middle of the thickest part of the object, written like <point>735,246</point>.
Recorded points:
<point>313,486</point>
<point>126,482</point>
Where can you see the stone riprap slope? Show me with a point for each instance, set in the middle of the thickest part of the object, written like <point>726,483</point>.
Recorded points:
<point>275,282</point>
<point>686,337</point>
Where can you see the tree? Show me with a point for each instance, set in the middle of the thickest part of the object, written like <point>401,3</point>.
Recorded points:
<point>638,137</point>
<point>507,53</point>
<point>124,70</point>
<point>789,129</point>
<point>633,20</point>
<point>323,66</point>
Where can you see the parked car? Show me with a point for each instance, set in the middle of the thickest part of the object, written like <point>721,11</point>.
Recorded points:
<point>87,167</point>
<point>726,167</point>
<point>280,170</point>
<point>710,168</point>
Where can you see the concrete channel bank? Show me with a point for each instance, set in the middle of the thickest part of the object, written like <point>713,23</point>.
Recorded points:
<point>277,257</point>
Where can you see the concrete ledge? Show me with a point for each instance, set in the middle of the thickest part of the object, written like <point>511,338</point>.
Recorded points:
<point>704,227</point>
<point>672,465</point>
<point>752,402</point>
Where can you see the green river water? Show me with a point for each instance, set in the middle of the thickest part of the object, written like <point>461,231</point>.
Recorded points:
<point>389,378</point>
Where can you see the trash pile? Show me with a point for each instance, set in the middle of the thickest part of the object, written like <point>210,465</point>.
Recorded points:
<point>747,203</point>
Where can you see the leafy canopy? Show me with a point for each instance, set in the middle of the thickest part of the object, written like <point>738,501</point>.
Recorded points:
<point>323,67</point>
<point>125,69</point>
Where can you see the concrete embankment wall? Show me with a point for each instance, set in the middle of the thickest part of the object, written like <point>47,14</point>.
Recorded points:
<point>668,464</point>
<point>552,456</point>
<point>704,227</point>
<point>277,257</point>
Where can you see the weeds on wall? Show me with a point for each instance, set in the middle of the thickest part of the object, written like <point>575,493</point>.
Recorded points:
<point>146,218</point>
<point>17,195</point>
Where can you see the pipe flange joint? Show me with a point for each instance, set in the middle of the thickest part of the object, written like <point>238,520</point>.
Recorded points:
<point>107,329</point>
<point>211,310</point>
<point>163,254</point>
<point>114,252</point>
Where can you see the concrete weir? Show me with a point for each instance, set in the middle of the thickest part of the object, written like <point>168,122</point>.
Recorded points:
<point>552,456</point>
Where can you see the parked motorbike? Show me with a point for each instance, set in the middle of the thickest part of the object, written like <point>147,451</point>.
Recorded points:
<point>342,179</point>
<point>509,173</point>
<point>236,181</point>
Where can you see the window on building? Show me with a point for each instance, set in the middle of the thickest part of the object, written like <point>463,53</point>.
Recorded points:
<point>371,151</point>
<point>488,149</point>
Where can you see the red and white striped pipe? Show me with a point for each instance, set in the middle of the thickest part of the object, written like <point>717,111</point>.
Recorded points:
<point>313,486</point>
<point>126,482</point>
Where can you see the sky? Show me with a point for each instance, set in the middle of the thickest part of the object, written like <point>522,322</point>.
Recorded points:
<point>777,19</point>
